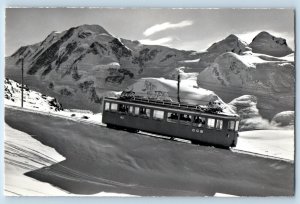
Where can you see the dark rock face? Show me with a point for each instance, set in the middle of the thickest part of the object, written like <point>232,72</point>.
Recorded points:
<point>118,75</point>
<point>65,92</point>
<point>145,55</point>
<point>54,103</point>
<point>49,55</point>
<point>119,49</point>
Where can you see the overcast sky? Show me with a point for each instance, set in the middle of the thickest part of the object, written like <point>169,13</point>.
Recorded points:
<point>189,29</point>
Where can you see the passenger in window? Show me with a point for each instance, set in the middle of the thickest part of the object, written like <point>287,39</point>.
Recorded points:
<point>185,117</point>
<point>197,119</point>
<point>143,112</point>
<point>173,116</point>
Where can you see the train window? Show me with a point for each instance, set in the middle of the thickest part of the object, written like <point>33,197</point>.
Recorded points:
<point>184,118</point>
<point>123,108</point>
<point>136,110</point>
<point>198,121</point>
<point>131,109</point>
<point>210,123</point>
<point>237,125</point>
<point>106,107</point>
<point>231,125</point>
<point>172,117</point>
<point>114,107</point>
<point>219,124</point>
<point>158,114</point>
<point>145,112</point>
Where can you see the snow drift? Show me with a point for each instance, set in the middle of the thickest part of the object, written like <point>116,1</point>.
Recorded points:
<point>285,118</point>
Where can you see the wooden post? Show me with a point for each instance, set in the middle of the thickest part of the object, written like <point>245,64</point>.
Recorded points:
<point>22,58</point>
<point>178,87</point>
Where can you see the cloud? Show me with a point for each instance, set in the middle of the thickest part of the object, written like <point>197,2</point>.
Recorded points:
<point>160,41</point>
<point>164,26</point>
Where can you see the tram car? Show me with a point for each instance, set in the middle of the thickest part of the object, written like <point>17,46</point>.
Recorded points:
<point>195,123</point>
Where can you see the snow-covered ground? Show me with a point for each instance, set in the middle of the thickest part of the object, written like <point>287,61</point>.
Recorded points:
<point>100,159</point>
<point>24,153</point>
<point>277,143</point>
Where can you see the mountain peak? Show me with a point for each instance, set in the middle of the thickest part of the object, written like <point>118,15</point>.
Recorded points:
<point>92,27</point>
<point>232,37</point>
<point>267,43</point>
<point>230,44</point>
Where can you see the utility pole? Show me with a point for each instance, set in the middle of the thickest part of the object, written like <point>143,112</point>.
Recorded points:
<point>22,58</point>
<point>178,86</point>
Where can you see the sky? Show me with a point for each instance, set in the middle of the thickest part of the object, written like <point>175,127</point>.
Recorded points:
<point>187,29</point>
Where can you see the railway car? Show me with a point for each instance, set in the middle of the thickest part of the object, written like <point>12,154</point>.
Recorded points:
<point>190,122</point>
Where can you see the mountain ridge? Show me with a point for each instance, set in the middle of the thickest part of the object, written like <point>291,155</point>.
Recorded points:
<point>82,64</point>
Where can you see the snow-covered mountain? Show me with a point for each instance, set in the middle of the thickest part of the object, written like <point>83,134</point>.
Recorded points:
<point>81,65</point>
<point>268,44</point>
<point>271,79</point>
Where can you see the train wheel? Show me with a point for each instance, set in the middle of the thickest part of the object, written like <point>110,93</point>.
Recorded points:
<point>110,126</point>
<point>113,127</point>
<point>132,130</point>
<point>195,142</point>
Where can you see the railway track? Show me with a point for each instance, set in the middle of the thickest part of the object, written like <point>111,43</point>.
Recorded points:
<point>85,121</point>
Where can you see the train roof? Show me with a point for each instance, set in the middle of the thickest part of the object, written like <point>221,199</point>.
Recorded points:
<point>173,105</point>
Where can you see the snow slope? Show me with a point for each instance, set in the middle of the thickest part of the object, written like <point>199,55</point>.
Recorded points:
<point>278,143</point>
<point>22,154</point>
<point>32,99</point>
<point>245,106</point>
<point>122,162</point>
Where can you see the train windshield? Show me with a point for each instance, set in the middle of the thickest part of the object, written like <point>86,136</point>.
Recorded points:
<point>231,125</point>
<point>107,104</point>
<point>219,124</point>
<point>237,125</point>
